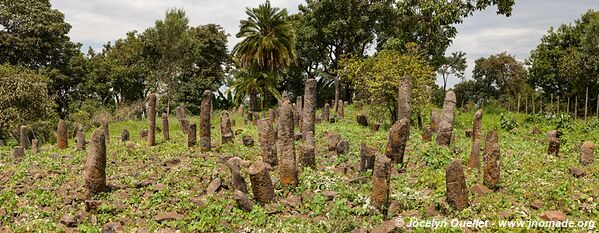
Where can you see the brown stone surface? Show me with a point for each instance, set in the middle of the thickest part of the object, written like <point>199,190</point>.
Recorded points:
<point>125,135</point>
<point>492,167</point>
<point>435,118</point>
<point>404,100</point>
<point>367,156</point>
<point>374,126</point>
<point>381,181</point>
<point>427,134</point>
<point>262,186</point>
<point>455,183</point>
<point>243,201</point>
<point>168,216</point>
<point>112,227</point>
<point>24,137</point>
<point>480,189</point>
<point>342,147</point>
<point>397,140</point>
<point>326,112</point>
<point>577,172</point>
<point>309,114</point>
<point>553,215</point>
<point>362,119</point>
<point>445,131</point>
<point>474,161</point>
<point>267,144</point>
<point>477,125</point>
<point>80,139</point>
<point>166,135</point>
<point>226,133</point>
<point>237,179</point>
<point>205,115</point>
<point>95,166</point>
<point>553,137</point>
<point>106,129</point>
<point>587,153</point>
<point>191,135</point>
<point>340,110</point>
<point>151,119</point>
<point>286,146</point>
<point>307,157</point>
<point>18,152</point>
<point>35,145</point>
<point>61,135</point>
<point>247,140</point>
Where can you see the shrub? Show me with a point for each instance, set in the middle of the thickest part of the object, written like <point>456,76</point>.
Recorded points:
<point>24,100</point>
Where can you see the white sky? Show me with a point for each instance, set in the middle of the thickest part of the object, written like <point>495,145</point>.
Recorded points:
<point>96,22</point>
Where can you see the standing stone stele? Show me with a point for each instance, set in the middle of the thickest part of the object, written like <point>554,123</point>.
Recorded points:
<point>191,135</point>
<point>367,156</point>
<point>553,137</point>
<point>35,146</point>
<point>587,153</point>
<point>61,135</point>
<point>492,167</point>
<point>286,147</point>
<point>267,147</point>
<point>236,178</point>
<point>435,118</point>
<point>381,181</point>
<point>397,140</point>
<point>446,121</point>
<point>455,183</point>
<point>95,166</point>
<point>80,138</point>
<point>18,152</point>
<point>125,135</point>
<point>165,127</point>
<point>205,115</point>
<point>477,124</point>
<point>309,114</point>
<point>474,161</point>
<point>151,119</point>
<point>325,112</point>
<point>262,186</point>
<point>340,110</point>
<point>404,100</point>
<point>24,137</point>
<point>226,133</point>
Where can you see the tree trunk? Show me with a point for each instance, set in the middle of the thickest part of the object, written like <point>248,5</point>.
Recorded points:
<point>336,93</point>
<point>586,103</point>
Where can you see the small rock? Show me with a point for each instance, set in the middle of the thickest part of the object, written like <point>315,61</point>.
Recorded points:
<point>576,172</point>
<point>243,201</point>
<point>69,220</point>
<point>112,227</point>
<point>248,141</point>
<point>553,215</point>
<point>329,194</point>
<point>431,211</point>
<point>168,216</point>
<point>536,204</point>
<point>386,226</point>
<point>214,186</point>
<point>481,189</point>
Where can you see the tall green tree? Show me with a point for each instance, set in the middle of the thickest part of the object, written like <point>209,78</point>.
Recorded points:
<point>453,65</point>
<point>34,35</point>
<point>499,75</point>
<point>268,46</point>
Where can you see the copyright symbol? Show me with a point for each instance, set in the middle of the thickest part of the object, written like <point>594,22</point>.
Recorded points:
<point>399,222</point>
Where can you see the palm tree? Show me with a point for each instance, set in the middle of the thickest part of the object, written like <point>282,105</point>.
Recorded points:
<point>268,45</point>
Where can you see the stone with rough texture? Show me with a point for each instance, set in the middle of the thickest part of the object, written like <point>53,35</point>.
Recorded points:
<point>243,201</point>
<point>445,131</point>
<point>125,135</point>
<point>80,139</point>
<point>24,137</point>
<point>191,135</point>
<point>477,125</point>
<point>214,186</point>
<point>553,137</point>
<point>374,127</point>
<point>151,119</point>
<point>226,133</point>
<point>205,115</point>
<point>326,112</point>
<point>381,181</point>
<point>262,186</point>
<point>397,140</point>
<point>308,156</point>
<point>367,156</point>
<point>404,100</point>
<point>587,153</point>
<point>35,146</point>
<point>236,178</point>
<point>362,119</point>
<point>143,133</point>
<point>267,144</point>
<point>435,118</point>
<point>61,135</point>
<point>18,152</point>
<point>577,172</point>
<point>553,215</point>
<point>455,183</point>
<point>332,140</point>
<point>106,129</point>
<point>112,227</point>
<point>184,123</point>
<point>309,114</point>
<point>168,216</point>
<point>286,146</point>
<point>165,127</point>
<point>247,140</point>
<point>342,147</point>
<point>340,110</point>
<point>427,134</point>
<point>95,166</point>
<point>474,161</point>
<point>492,167</point>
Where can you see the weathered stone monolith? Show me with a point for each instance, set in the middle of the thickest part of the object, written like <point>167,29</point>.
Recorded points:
<point>477,125</point>
<point>166,135</point>
<point>340,110</point>
<point>236,178</point>
<point>286,147</point>
<point>80,138</point>
<point>181,116</point>
<point>455,183</point>
<point>262,186</point>
<point>241,110</point>
<point>309,114</point>
<point>342,147</point>
<point>553,137</point>
<point>205,115</point>
<point>474,161</point>
<point>446,121</point>
<point>382,177</point>
<point>308,156</point>
<point>362,119</point>
<point>106,130</point>
<point>125,135</point>
<point>143,133</point>
<point>35,146</point>
<point>226,133</point>
<point>191,135</point>
<point>151,119</point>
<point>95,166</point>
<point>404,100</point>
<point>24,137</point>
<point>61,135</point>
<point>587,153</point>
<point>243,201</point>
<point>435,118</point>
<point>367,156</point>
<point>397,140</point>
<point>18,152</point>
<point>267,145</point>
<point>492,166</point>
<point>325,112</point>
<point>332,140</point>
<point>427,134</point>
